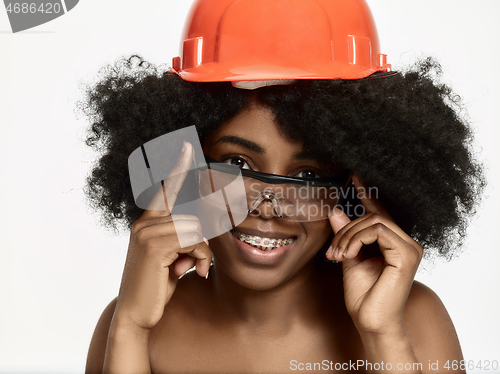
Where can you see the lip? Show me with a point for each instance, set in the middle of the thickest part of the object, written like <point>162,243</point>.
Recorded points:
<point>265,234</point>
<point>257,256</point>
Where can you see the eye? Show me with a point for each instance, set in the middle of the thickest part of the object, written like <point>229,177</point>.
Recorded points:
<point>237,161</point>
<point>308,174</point>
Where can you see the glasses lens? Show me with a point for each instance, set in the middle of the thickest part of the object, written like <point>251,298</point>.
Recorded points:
<point>227,180</point>
<point>294,202</point>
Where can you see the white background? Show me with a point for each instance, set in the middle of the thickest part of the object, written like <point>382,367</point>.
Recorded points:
<point>59,269</point>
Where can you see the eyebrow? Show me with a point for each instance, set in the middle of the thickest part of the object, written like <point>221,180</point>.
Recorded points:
<point>241,142</point>
<point>245,143</point>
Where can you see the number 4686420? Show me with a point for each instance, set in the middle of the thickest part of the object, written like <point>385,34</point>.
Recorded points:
<point>25,8</point>
<point>471,365</point>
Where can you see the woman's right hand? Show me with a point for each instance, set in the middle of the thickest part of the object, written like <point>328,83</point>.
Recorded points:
<point>155,259</point>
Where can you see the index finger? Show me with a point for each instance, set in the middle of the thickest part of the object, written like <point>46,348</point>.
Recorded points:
<point>338,220</point>
<point>370,202</point>
<point>164,200</point>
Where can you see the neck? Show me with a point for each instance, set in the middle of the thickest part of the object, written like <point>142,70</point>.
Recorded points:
<point>272,310</point>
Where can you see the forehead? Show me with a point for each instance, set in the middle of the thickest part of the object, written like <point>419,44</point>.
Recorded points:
<point>256,123</point>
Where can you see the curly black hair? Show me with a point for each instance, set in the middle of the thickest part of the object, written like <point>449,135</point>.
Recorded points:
<point>405,133</point>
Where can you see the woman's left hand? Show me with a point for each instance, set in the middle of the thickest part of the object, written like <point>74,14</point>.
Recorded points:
<point>375,289</point>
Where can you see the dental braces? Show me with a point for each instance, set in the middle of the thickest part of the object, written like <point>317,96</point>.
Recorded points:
<point>264,242</point>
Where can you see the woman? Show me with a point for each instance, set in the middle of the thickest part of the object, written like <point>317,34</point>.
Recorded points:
<point>289,306</point>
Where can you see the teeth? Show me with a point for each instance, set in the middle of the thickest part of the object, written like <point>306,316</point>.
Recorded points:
<point>264,244</point>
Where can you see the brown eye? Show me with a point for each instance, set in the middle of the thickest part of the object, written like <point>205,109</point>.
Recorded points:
<point>237,161</point>
<point>308,174</point>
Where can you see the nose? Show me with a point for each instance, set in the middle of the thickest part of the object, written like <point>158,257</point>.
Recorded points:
<point>270,197</point>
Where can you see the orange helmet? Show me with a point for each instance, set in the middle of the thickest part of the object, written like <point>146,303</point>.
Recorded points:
<point>279,40</point>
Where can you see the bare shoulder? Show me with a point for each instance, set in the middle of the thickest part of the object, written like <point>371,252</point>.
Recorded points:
<point>430,327</point>
<point>97,349</point>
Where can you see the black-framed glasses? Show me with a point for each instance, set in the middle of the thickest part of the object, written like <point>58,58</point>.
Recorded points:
<point>292,198</point>
<point>338,181</point>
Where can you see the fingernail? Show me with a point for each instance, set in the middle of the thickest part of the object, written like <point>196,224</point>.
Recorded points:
<point>206,241</point>
<point>206,276</point>
<point>182,275</point>
<point>336,252</point>
<point>329,251</point>
<point>184,147</point>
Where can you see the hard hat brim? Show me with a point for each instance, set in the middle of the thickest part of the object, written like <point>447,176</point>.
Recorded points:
<point>223,72</point>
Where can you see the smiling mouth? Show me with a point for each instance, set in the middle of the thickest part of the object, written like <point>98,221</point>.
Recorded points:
<point>264,244</point>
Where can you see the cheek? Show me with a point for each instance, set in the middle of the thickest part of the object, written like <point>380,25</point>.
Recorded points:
<point>317,233</point>
<point>221,247</point>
